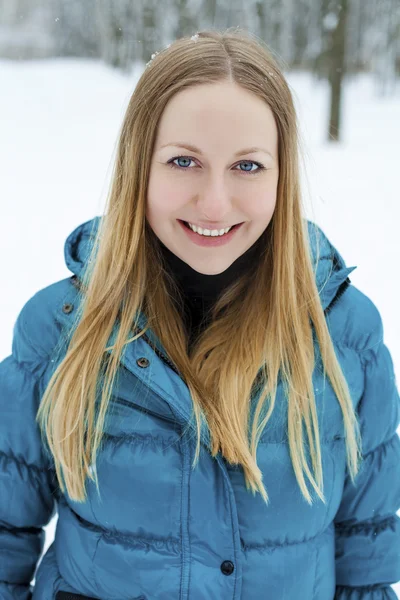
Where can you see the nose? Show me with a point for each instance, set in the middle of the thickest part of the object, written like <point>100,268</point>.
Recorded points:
<point>214,200</point>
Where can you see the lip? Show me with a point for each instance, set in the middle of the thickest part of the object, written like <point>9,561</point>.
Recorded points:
<point>201,240</point>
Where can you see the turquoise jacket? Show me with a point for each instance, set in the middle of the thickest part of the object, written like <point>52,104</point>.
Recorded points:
<point>162,530</point>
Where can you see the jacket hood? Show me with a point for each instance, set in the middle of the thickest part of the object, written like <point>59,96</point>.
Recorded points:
<point>331,270</point>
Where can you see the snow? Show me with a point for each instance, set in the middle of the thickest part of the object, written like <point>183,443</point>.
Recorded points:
<point>60,124</point>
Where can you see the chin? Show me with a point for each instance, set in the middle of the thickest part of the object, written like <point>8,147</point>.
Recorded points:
<point>209,270</point>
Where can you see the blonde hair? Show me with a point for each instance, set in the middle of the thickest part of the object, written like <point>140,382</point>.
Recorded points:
<point>234,355</point>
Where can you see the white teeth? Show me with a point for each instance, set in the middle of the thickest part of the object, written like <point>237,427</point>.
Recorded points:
<point>208,232</point>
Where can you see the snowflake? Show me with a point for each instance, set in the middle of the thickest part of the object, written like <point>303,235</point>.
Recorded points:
<point>152,58</point>
<point>195,37</point>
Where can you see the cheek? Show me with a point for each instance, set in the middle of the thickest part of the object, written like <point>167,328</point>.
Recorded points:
<point>164,199</point>
<point>261,205</point>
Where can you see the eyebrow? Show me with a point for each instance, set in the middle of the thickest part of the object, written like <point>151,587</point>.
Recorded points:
<point>198,151</point>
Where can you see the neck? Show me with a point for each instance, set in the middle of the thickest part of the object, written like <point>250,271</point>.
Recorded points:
<point>195,284</point>
<point>200,291</point>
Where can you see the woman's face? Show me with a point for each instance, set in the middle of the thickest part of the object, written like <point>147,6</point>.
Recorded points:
<point>219,183</point>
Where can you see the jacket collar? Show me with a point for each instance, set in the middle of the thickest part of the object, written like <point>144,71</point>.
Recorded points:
<point>330,268</point>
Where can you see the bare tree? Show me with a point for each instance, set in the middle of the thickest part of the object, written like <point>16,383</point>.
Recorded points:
<point>74,28</point>
<point>331,61</point>
<point>337,69</point>
<point>364,35</point>
<point>26,30</point>
<point>186,19</point>
<point>117,32</point>
<point>387,45</point>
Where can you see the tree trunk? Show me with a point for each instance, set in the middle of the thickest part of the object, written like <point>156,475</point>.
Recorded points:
<point>337,71</point>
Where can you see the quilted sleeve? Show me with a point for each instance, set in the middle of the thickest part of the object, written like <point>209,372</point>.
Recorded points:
<point>367,528</point>
<point>27,501</point>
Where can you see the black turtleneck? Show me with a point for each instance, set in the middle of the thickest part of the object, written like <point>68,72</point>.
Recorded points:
<point>201,291</point>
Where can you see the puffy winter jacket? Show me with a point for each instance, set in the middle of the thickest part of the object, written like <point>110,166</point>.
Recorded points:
<point>162,530</point>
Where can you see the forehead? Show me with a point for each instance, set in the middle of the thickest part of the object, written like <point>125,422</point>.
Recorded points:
<point>222,112</point>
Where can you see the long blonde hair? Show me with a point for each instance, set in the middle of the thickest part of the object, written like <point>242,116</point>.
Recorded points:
<point>126,275</point>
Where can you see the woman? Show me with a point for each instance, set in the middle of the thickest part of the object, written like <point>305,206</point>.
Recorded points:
<point>217,406</point>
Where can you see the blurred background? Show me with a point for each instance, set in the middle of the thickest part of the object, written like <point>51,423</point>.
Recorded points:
<point>358,35</point>
<point>69,67</point>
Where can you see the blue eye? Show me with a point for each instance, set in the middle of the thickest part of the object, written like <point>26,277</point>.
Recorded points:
<point>180,158</point>
<point>252,162</point>
<point>172,164</point>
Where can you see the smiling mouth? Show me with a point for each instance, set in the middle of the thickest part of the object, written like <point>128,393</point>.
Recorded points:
<point>186,223</point>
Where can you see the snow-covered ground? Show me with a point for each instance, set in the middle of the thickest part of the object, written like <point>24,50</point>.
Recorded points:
<point>59,126</point>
